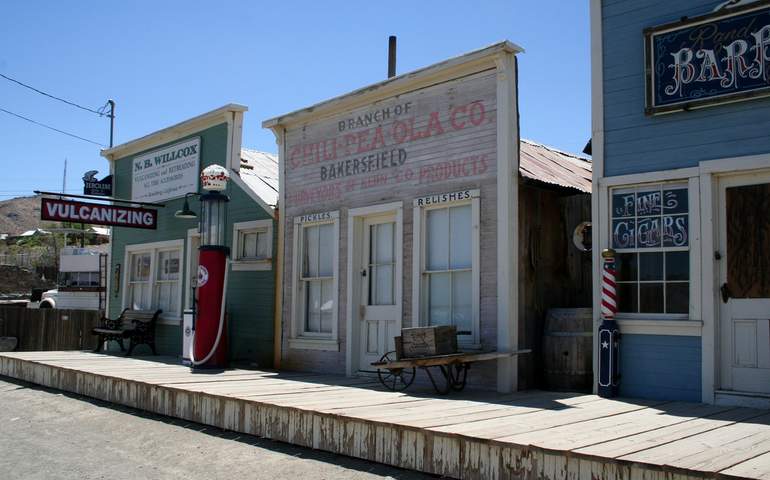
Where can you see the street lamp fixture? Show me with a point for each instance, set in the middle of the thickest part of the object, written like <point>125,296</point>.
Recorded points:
<point>186,212</point>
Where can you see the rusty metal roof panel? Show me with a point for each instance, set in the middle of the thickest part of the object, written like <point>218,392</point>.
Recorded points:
<point>549,165</point>
<point>259,170</point>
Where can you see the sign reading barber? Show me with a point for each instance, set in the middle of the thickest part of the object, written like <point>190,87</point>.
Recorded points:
<point>716,58</point>
<point>166,173</point>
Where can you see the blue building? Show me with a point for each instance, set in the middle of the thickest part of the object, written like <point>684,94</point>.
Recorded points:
<point>681,149</point>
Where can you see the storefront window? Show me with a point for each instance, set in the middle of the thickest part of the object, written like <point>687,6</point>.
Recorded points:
<point>650,233</point>
<point>318,277</point>
<point>167,281</point>
<point>449,267</point>
<point>139,281</point>
<point>154,281</point>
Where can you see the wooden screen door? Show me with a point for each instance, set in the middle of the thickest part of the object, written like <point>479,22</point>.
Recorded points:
<point>744,294</point>
<point>380,280</point>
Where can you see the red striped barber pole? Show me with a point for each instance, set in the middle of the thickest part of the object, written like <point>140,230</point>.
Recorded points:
<point>609,295</point>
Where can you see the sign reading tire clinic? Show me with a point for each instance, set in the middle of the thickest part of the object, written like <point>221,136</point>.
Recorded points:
<point>167,173</point>
<point>97,214</point>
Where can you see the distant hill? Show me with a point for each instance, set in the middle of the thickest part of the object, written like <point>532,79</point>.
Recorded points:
<point>20,214</point>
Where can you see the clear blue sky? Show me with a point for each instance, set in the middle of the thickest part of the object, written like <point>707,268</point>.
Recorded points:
<point>166,61</point>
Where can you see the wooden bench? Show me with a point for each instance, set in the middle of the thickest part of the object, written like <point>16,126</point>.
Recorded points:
<point>136,325</point>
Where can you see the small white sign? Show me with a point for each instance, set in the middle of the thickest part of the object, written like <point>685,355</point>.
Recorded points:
<point>448,197</point>
<point>167,173</point>
<point>316,217</point>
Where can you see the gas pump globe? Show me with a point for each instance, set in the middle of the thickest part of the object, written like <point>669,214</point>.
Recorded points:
<point>209,341</point>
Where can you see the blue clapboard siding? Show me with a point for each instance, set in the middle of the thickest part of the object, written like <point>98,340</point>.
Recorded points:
<point>251,295</point>
<point>662,367</point>
<point>636,143</point>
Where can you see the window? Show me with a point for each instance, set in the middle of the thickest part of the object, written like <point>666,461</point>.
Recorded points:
<point>314,318</point>
<point>253,245</point>
<point>79,279</point>
<point>650,233</point>
<point>317,278</point>
<point>154,280</point>
<point>448,291</point>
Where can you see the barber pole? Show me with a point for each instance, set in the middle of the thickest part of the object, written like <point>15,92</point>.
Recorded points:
<point>609,335</point>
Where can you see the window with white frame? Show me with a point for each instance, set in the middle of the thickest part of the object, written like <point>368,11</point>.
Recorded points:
<point>155,278</point>
<point>253,245</point>
<point>317,278</point>
<point>449,270</point>
<point>650,233</point>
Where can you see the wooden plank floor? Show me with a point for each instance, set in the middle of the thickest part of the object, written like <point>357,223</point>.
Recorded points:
<point>475,434</point>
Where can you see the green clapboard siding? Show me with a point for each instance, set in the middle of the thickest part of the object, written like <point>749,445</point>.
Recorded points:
<point>250,296</point>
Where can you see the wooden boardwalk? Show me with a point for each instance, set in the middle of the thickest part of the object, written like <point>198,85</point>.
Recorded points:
<point>478,435</point>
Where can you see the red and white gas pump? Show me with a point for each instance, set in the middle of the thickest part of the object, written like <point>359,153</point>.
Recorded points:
<point>209,342</point>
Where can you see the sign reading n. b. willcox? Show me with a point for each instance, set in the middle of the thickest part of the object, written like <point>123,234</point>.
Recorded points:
<point>166,173</point>
<point>716,58</point>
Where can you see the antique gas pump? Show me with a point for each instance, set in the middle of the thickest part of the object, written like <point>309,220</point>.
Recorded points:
<point>209,344</point>
<point>609,335</point>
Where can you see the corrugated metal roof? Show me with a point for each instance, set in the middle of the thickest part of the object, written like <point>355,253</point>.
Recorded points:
<point>549,165</point>
<point>259,170</point>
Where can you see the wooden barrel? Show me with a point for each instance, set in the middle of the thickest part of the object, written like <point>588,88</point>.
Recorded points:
<point>568,349</point>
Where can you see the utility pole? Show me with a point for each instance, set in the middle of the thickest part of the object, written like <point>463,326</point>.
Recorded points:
<point>64,178</point>
<point>112,119</point>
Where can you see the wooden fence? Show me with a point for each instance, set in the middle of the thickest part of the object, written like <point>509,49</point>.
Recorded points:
<point>49,329</point>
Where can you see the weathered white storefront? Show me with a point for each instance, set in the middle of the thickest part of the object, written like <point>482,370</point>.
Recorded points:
<point>399,206</point>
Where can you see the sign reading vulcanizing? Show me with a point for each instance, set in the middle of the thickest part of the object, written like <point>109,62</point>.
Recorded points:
<point>166,173</point>
<point>97,214</point>
<point>401,147</point>
<point>715,58</point>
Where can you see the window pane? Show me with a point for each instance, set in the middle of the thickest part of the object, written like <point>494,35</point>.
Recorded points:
<point>648,232</point>
<point>676,231</point>
<point>140,266</point>
<point>326,250</point>
<point>460,234</point>
<point>249,240</point>
<point>677,266</point>
<point>651,266</point>
<point>624,233</point>
<point>627,297</point>
<point>437,243</point>
<point>383,281</point>
<point>311,252</point>
<point>140,296</point>
<point>438,299</point>
<point>327,305</point>
<point>168,265</point>
<point>678,297</point>
<point>648,203</point>
<point>263,245</point>
<point>382,238</point>
<point>623,205</point>
<point>625,264</point>
<point>313,307</point>
<point>675,200</point>
<point>462,299</point>
<point>651,298</point>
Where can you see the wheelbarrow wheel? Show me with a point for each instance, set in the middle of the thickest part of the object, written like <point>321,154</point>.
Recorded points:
<point>395,379</point>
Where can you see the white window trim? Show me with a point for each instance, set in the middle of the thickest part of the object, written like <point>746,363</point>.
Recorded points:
<point>298,339</point>
<point>154,248</point>
<point>418,263</point>
<point>239,264</point>
<point>659,324</point>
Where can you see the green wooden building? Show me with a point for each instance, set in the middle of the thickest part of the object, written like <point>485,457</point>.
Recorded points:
<point>153,269</point>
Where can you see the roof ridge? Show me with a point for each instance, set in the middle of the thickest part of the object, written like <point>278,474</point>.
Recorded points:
<point>554,149</point>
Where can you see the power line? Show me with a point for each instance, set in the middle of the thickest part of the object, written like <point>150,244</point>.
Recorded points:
<point>101,112</point>
<point>50,127</point>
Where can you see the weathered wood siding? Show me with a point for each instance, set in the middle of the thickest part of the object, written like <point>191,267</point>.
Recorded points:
<point>448,138</point>
<point>49,329</point>
<point>637,143</point>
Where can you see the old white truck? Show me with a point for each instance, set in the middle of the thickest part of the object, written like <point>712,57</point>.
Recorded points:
<point>81,283</point>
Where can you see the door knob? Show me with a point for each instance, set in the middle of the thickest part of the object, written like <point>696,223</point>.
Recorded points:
<point>725,292</point>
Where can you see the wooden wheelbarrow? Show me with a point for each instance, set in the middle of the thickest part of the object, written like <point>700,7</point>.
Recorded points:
<point>398,374</point>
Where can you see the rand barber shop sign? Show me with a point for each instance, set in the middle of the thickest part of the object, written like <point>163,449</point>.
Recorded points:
<point>716,58</point>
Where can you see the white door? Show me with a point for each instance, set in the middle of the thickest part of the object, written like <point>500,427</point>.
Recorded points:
<point>380,280</point>
<point>744,294</point>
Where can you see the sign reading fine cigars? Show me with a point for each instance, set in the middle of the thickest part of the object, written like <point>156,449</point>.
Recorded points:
<point>96,214</point>
<point>166,173</point>
<point>715,58</point>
